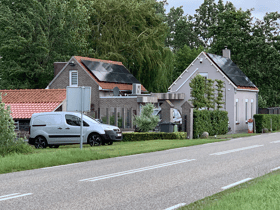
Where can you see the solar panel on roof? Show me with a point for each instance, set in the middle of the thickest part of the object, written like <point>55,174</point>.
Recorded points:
<point>107,72</point>
<point>232,71</point>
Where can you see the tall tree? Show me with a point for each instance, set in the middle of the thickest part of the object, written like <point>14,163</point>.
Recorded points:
<point>133,32</point>
<point>35,34</point>
<point>183,58</point>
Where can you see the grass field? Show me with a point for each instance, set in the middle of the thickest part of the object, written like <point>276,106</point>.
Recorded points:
<point>72,154</point>
<point>257,194</point>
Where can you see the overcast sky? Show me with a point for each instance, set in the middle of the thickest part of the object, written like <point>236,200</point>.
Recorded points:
<point>260,6</point>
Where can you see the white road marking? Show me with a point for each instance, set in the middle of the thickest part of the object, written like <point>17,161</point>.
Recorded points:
<point>275,169</point>
<point>3,196</point>
<point>176,206</point>
<point>16,195</point>
<point>236,150</point>
<point>236,183</point>
<point>275,142</point>
<point>129,156</point>
<point>136,170</point>
<point>236,139</point>
<point>60,166</point>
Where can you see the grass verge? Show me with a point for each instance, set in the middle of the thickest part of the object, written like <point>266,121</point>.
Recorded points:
<point>72,154</point>
<point>40,158</point>
<point>260,193</point>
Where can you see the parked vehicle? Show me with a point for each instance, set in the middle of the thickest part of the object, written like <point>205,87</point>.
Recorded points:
<point>177,118</point>
<point>59,128</point>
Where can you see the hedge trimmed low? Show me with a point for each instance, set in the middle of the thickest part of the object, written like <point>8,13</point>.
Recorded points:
<point>263,121</point>
<point>142,136</point>
<point>215,122</point>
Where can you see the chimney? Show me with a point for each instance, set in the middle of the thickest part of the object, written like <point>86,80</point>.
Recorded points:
<point>58,66</point>
<point>226,52</point>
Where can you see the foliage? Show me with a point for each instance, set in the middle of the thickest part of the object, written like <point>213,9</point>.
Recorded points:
<point>262,103</point>
<point>197,85</point>
<point>8,144</point>
<point>34,35</point>
<point>131,31</point>
<point>210,94</point>
<point>219,88</point>
<point>263,121</point>
<point>183,58</point>
<point>146,121</point>
<point>153,136</point>
<point>214,122</point>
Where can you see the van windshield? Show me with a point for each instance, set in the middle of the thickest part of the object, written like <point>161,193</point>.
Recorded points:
<point>91,119</point>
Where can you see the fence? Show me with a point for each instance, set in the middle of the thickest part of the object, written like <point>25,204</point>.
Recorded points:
<point>271,110</point>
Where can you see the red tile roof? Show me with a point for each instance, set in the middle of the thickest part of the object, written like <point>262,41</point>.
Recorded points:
<point>25,110</point>
<point>25,102</point>
<point>33,95</point>
<point>247,88</point>
<point>106,85</point>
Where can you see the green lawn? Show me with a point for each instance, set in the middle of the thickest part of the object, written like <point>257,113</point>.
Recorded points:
<point>72,154</point>
<point>258,194</point>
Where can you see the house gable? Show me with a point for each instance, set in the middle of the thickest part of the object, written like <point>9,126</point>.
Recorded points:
<point>201,64</point>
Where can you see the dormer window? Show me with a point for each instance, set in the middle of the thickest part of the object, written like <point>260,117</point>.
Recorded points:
<point>73,78</point>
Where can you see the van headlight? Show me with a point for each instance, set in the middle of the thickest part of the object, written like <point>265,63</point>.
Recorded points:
<point>117,130</point>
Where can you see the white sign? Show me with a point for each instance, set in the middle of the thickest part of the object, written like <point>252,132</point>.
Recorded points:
<point>76,97</point>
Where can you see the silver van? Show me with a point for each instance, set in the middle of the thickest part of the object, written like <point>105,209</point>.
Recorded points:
<point>59,128</point>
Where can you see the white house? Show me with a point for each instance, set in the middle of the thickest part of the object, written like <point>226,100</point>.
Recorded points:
<point>240,94</point>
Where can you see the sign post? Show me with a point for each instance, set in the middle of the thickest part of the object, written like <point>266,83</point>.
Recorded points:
<point>78,99</point>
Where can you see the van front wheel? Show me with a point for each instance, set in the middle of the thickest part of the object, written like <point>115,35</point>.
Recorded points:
<point>40,142</point>
<point>94,139</point>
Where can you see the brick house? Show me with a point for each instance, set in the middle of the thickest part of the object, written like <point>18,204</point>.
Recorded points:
<point>104,76</point>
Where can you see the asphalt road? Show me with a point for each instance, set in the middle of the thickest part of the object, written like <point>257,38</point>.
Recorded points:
<point>158,180</point>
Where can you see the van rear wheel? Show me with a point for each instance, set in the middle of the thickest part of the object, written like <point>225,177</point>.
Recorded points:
<point>94,139</point>
<point>40,142</point>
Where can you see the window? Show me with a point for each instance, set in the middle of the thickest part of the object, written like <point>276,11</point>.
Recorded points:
<point>236,111</point>
<point>252,107</point>
<point>73,78</point>
<point>246,110</point>
<point>74,120</point>
<point>205,75</point>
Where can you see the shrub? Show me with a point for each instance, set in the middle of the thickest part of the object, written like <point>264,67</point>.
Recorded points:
<point>214,122</point>
<point>146,121</point>
<point>8,142</point>
<point>153,136</point>
<point>263,121</point>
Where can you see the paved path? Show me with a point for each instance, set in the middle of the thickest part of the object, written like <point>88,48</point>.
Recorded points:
<point>158,180</point>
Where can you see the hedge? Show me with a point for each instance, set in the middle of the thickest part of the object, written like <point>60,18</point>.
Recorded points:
<point>142,136</point>
<point>214,122</point>
<point>263,121</point>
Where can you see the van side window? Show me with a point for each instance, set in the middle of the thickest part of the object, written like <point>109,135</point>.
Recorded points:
<point>74,120</point>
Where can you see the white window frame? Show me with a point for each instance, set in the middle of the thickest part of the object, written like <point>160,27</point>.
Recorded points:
<point>246,110</point>
<point>252,108</point>
<point>70,78</point>
<point>237,111</point>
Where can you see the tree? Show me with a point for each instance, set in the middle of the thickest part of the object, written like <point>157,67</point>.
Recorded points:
<point>183,58</point>
<point>209,94</point>
<point>146,121</point>
<point>197,85</point>
<point>219,88</point>
<point>34,35</point>
<point>131,31</point>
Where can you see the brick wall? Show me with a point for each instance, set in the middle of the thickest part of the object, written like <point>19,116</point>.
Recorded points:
<point>119,105</point>
<point>84,79</point>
